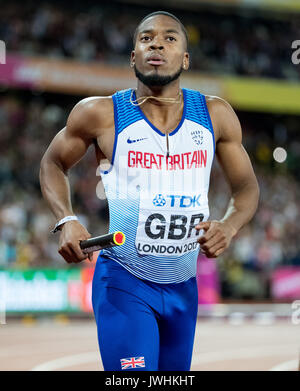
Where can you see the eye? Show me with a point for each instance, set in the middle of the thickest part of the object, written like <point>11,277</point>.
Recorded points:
<point>171,38</point>
<point>145,38</point>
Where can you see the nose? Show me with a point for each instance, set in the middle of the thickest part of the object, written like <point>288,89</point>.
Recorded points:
<point>156,44</point>
<point>154,47</point>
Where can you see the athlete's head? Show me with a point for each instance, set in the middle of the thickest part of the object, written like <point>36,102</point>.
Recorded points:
<point>160,49</point>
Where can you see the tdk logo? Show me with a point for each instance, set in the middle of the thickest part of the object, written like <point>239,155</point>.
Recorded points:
<point>159,200</point>
<point>177,200</point>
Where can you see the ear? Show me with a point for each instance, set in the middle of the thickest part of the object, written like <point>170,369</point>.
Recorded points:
<point>186,61</point>
<point>132,59</point>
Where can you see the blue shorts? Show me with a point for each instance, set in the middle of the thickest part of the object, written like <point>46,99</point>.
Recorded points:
<point>143,325</point>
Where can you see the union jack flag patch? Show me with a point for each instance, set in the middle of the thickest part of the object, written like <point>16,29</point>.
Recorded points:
<point>132,362</point>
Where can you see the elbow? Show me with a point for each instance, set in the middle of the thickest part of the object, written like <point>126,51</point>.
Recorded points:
<point>48,163</point>
<point>48,169</point>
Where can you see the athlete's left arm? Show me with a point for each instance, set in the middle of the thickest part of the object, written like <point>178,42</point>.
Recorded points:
<point>239,173</point>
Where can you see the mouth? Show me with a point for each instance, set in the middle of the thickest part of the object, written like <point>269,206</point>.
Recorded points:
<point>155,60</point>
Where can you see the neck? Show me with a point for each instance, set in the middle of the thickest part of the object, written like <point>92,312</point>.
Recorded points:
<point>159,96</point>
<point>172,90</point>
<point>163,111</point>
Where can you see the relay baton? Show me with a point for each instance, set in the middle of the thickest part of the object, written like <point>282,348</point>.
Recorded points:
<point>103,241</point>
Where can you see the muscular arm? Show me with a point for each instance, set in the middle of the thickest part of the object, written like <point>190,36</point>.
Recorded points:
<point>239,173</point>
<point>237,167</point>
<point>65,150</point>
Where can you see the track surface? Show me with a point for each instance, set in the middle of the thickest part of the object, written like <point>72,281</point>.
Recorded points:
<point>220,345</point>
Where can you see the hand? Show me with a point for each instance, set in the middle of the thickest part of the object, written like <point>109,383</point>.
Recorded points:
<point>216,239</point>
<point>72,232</point>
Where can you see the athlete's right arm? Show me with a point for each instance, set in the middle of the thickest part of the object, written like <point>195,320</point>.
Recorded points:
<point>65,150</point>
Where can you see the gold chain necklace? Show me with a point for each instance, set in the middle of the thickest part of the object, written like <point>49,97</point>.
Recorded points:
<point>143,99</point>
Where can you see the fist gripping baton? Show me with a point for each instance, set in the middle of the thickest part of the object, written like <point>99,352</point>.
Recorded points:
<point>103,241</point>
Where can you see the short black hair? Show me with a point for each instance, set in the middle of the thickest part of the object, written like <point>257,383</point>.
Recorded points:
<point>162,13</point>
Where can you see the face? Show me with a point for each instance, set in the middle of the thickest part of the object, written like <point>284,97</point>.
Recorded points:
<point>160,52</point>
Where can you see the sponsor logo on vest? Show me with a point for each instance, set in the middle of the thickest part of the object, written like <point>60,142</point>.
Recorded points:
<point>159,200</point>
<point>136,140</point>
<point>182,201</point>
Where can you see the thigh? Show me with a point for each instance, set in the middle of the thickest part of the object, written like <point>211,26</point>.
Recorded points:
<point>127,330</point>
<point>177,327</point>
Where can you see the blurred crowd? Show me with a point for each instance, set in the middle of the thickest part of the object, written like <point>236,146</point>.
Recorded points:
<point>28,122</point>
<point>231,42</point>
<point>27,128</point>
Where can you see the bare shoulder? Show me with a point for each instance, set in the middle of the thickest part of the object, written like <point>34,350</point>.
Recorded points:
<point>217,104</point>
<point>90,116</point>
<point>225,122</point>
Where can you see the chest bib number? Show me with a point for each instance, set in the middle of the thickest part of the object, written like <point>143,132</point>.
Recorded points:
<point>167,223</point>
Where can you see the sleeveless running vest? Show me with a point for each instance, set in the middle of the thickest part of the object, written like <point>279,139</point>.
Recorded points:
<point>157,189</point>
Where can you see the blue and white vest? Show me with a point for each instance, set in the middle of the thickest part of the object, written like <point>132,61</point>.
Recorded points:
<point>157,190</point>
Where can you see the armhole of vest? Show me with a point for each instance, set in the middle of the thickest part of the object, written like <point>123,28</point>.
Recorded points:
<point>115,137</point>
<point>209,121</point>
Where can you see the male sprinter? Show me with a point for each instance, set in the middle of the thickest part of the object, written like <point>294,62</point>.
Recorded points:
<point>160,141</point>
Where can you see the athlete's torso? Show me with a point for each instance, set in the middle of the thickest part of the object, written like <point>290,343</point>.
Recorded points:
<point>157,195</point>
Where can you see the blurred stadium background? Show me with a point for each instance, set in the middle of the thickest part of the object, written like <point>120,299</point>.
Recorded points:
<point>60,52</point>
